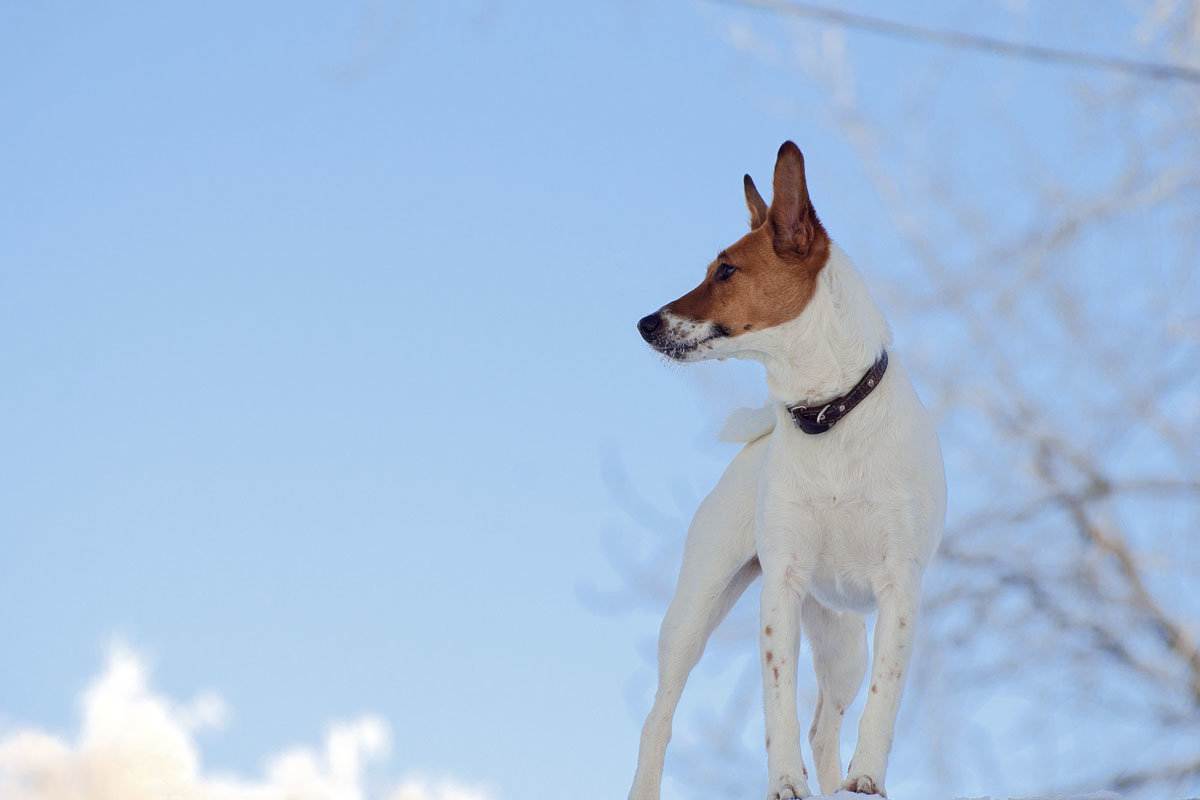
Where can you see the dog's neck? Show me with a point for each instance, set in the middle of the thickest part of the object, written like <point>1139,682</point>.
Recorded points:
<point>826,350</point>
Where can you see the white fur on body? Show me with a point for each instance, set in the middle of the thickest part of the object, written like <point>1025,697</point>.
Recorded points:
<point>838,524</point>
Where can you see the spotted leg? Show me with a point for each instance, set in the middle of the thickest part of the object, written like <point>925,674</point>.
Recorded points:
<point>779,645</point>
<point>894,635</point>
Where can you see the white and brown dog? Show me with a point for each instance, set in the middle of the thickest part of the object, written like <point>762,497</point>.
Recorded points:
<point>837,498</point>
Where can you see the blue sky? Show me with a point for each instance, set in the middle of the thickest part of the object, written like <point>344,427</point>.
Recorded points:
<point>316,332</point>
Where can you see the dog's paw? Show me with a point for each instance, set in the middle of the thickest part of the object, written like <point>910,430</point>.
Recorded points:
<point>788,788</point>
<point>863,784</point>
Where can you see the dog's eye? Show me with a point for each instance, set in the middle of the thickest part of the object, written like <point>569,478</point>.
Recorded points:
<point>725,272</point>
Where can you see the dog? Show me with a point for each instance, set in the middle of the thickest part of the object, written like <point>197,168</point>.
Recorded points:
<point>837,498</point>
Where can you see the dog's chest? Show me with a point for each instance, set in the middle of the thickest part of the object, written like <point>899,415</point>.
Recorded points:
<point>824,515</point>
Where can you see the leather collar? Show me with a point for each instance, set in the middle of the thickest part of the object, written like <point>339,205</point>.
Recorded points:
<point>821,417</point>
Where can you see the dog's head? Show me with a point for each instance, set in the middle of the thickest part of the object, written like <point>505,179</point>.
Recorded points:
<point>764,279</point>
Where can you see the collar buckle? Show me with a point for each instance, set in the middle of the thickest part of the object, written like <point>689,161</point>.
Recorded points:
<point>802,416</point>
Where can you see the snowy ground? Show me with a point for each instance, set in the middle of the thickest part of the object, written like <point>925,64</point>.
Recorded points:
<point>1092,796</point>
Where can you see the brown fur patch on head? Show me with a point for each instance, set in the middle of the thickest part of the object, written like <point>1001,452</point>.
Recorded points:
<point>775,266</point>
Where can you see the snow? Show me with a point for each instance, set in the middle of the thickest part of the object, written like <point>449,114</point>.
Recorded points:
<point>1091,796</point>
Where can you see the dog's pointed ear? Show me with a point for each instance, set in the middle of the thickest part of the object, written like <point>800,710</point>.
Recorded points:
<point>791,214</point>
<point>754,201</point>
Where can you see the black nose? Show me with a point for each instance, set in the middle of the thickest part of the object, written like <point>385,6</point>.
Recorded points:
<point>649,324</point>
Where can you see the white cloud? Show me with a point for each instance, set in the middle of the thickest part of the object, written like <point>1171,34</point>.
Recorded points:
<point>135,744</point>
<point>424,789</point>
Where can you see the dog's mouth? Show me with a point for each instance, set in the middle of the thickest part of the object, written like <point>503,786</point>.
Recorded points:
<point>698,340</point>
<point>678,351</point>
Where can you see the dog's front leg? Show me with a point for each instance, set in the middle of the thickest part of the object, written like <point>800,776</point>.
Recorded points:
<point>779,647</point>
<point>894,636</point>
<point>719,562</point>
